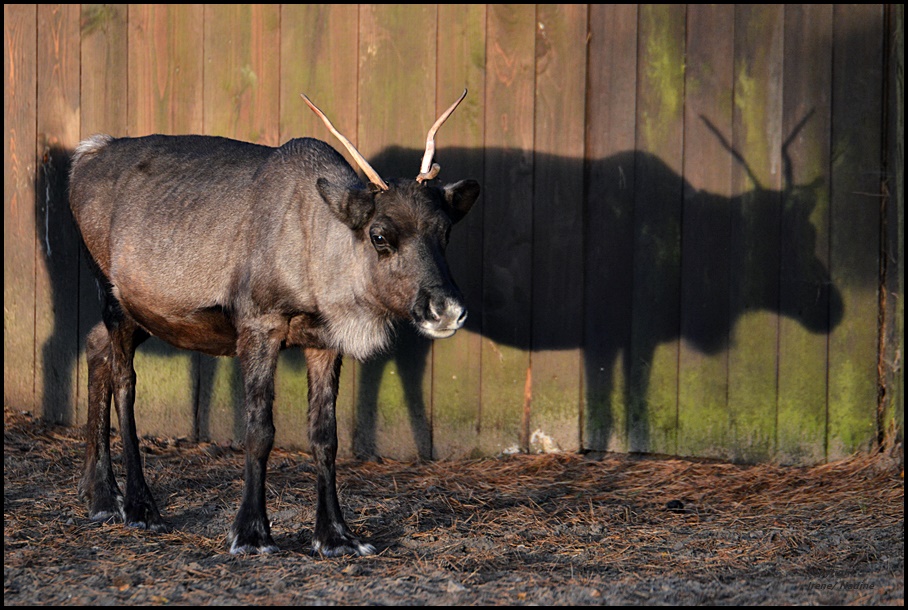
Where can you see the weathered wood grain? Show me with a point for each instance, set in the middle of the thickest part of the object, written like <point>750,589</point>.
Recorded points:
<point>645,270</point>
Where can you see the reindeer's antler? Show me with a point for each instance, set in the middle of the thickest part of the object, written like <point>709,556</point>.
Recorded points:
<point>429,170</point>
<point>373,176</point>
<point>737,156</point>
<point>786,159</point>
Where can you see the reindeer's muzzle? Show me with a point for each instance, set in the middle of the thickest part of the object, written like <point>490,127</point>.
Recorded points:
<point>439,316</point>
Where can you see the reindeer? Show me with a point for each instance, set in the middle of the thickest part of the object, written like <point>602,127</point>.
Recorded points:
<point>237,249</point>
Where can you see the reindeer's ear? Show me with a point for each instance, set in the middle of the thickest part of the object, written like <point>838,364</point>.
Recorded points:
<point>353,207</point>
<point>460,197</point>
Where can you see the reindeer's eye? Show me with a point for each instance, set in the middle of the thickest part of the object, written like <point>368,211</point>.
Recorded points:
<point>380,242</point>
<point>384,236</point>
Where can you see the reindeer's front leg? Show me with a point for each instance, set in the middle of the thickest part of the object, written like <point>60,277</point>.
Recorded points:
<point>332,536</point>
<point>257,348</point>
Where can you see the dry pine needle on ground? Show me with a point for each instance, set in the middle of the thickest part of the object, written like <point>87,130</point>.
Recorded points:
<point>557,529</point>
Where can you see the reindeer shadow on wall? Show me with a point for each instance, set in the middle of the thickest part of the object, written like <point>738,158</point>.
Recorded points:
<point>726,284</point>
<point>58,242</point>
<point>767,219</point>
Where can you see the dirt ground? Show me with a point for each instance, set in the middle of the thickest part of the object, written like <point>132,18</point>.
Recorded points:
<point>558,529</point>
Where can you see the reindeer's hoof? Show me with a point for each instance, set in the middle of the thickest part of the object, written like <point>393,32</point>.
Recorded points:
<point>108,511</point>
<point>104,502</point>
<point>106,516</point>
<point>238,548</point>
<point>153,524</point>
<point>340,542</point>
<point>347,548</point>
<point>251,541</point>
<point>143,514</point>
<point>252,549</point>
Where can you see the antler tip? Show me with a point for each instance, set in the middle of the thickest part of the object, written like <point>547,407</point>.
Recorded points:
<point>426,170</point>
<point>370,172</point>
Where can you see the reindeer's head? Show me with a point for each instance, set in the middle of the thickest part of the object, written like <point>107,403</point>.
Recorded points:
<point>404,226</point>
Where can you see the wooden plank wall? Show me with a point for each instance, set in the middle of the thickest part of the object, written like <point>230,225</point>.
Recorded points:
<point>677,249</point>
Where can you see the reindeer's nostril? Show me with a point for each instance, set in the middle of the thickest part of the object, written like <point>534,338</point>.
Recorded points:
<point>434,314</point>
<point>463,316</point>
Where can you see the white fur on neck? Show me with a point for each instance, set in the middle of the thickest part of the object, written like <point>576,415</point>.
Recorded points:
<point>360,335</point>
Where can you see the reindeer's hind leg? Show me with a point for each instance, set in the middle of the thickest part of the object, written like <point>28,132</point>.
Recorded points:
<point>110,350</point>
<point>98,488</point>
<point>125,335</point>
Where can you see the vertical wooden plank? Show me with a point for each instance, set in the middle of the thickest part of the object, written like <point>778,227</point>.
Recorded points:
<point>805,303</point>
<point>855,208</point>
<point>507,225</point>
<point>608,241</point>
<point>20,31</point>
<point>242,84</point>
<point>104,69</point>
<point>557,281</point>
<point>165,96</point>
<point>397,71</point>
<point>319,57</point>
<point>456,361</point>
<point>753,359</point>
<point>397,103</point>
<point>703,365</point>
<point>895,222</point>
<point>652,413</point>
<point>165,69</point>
<point>241,93</point>
<point>57,246</point>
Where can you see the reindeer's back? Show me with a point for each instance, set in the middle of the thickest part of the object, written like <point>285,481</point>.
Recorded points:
<point>161,194</point>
